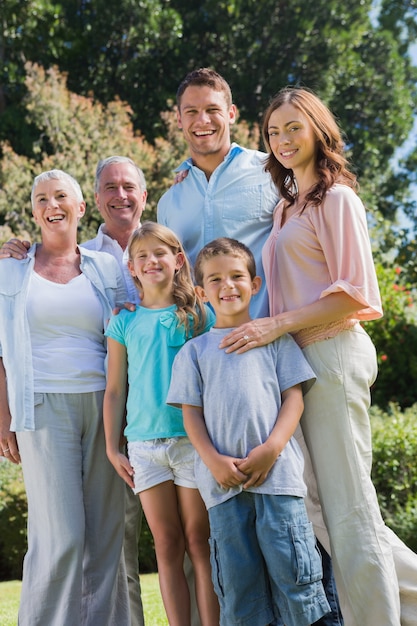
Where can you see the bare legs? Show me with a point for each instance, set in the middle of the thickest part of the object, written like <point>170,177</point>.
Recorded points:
<point>178,521</point>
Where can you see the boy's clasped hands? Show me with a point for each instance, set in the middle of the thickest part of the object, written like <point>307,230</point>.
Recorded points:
<point>250,471</point>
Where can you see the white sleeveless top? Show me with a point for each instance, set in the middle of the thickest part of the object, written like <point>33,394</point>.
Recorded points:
<point>66,327</point>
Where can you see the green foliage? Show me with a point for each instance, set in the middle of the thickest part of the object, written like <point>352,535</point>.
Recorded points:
<point>13,518</point>
<point>395,338</point>
<point>395,470</point>
<point>73,133</point>
<point>125,49</point>
<point>29,30</point>
<point>147,559</point>
<point>9,602</point>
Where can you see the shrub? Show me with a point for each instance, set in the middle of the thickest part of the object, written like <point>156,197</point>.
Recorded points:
<point>394,470</point>
<point>147,559</point>
<point>395,338</point>
<point>13,518</point>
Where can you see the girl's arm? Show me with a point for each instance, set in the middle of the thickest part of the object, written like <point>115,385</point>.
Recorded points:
<point>336,306</point>
<point>259,461</point>
<point>7,438</point>
<point>114,408</point>
<point>224,468</point>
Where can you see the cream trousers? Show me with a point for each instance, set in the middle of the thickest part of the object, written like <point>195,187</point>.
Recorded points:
<point>375,572</point>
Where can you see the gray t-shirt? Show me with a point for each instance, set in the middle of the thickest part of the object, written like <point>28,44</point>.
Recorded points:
<point>241,398</point>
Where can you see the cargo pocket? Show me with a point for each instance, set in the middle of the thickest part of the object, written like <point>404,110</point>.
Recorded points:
<point>307,555</point>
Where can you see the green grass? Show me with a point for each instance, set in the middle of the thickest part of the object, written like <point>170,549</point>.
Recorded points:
<point>151,598</point>
<point>9,602</point>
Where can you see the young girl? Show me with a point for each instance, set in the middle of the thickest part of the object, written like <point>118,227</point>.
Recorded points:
<point>141,348</point>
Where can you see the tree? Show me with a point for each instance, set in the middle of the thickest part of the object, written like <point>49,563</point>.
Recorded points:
<point>30,30</point>
<point>125,49</point>
<point>72,133</point>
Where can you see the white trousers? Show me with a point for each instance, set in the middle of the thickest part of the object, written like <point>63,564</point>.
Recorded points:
<point>72,574</point>
<point>373,568</point>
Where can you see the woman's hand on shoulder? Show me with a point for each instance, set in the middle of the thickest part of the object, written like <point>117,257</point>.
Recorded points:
<point>14,248</point>
<point>253,334</point>
<point>180,176</point>
<point>129,306</point>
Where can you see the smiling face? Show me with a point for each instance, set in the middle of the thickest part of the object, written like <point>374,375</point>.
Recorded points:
<point>228,287</point>
<point>120,199</point>
<point>205,118</point>
<point>292,139</point>
<point>56,208</point>
<point>154,264</point>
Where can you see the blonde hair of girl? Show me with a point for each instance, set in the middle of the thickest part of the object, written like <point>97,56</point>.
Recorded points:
<point>190,308</point>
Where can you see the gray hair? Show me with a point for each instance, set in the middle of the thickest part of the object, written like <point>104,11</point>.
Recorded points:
<point>56,175</point>
<point>101,165</point>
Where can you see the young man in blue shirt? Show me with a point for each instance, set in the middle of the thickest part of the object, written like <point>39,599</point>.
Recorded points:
<point>223,191</point>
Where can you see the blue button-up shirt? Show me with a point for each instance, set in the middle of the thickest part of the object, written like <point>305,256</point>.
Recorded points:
<point>15,344</point>
<point>237,201</point>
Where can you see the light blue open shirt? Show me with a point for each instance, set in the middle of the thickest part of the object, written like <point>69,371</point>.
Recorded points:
<point>15,344</point>
<point>102,242</point>
<point>237,201</point>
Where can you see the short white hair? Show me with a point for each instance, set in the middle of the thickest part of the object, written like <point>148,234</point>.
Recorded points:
<point>57,175</point>
<point>101,165</point>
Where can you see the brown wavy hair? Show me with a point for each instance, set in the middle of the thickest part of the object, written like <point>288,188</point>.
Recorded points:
<point>331,163</point>
<point>189,305</point>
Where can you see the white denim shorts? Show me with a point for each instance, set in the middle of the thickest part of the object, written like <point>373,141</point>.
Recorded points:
<point>157,460</point>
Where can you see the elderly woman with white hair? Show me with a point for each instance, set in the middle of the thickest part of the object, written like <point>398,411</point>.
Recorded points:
<point>54,306</point>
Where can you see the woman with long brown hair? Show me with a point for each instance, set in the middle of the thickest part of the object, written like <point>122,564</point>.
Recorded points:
<point>322,283</point>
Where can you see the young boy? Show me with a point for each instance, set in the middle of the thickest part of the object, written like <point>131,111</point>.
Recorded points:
<point>240,411</point>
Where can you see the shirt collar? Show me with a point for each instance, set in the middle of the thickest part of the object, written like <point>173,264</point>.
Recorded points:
<point>188,163</point>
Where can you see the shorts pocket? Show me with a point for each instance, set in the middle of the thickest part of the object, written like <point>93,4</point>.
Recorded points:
<point>307,555</point>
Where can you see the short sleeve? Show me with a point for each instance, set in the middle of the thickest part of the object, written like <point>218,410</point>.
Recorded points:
<point>116,327</point>
<point>186,383</point>
<point>342,232</point>
<point>291,365</point>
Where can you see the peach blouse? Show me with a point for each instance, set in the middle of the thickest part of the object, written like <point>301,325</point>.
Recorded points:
<point>320,251</point>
